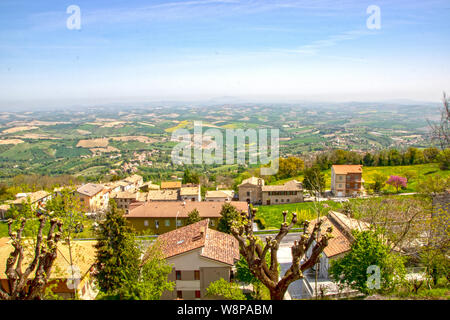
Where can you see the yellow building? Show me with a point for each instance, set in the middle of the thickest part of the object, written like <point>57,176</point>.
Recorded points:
<point>158,217</point>
<point>93,197</point>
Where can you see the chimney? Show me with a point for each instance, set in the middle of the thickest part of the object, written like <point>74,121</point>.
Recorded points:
<point>202,231</point>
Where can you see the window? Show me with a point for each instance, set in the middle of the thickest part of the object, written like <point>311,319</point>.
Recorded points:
<point>276,200</point>
<point>179,294</point>
<point>146,223</point>
<point>167,223</point>
<point>248,193</point>
<point>197,275</point>
<point>212,223</point>
<point>178,275</point>
<point>156,224</point>
<point>197,294</point>
<point>282,200</point>
<point>287,200</point>
<point>179,223</point>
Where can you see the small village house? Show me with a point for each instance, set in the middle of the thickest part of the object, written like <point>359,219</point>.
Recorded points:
<point>250,190</point>
<point>190,193</point>
<point>163,195</point>
<point>346,180</point>
<point>93,197</point>
<point>219,195</point>
<point>290,192</point>
<point>199,256</point>
<point>136,180</point>
<point>164,216</point>
<point>338,246</point>
<point>37,199</point>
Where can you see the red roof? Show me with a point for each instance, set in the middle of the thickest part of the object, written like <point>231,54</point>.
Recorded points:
<point>214,245</point>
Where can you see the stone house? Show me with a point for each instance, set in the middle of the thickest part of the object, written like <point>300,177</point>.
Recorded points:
<point>199,255</point>
<point>250,190</point>
<point>290,192</point>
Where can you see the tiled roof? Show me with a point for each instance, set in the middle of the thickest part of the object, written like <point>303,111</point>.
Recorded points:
<point>151,186</point>
<point>171,185</point>
<point>35,196</point>
<point>124,195</point>
<point>215,245</point>
<point>83,257</point>
<point>292,185</point>
<point>346,168</point>
<point>219,194</point>
<point>342,227</point>
<point>161,195</point>
<point>134,178</point>
<point>90,189</point>
<point>169,209</point>
<point>252,180</point>
<point>188,191</point>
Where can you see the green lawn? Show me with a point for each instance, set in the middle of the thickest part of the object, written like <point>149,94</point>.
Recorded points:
<point>3,229</point>
<point>273,217</point>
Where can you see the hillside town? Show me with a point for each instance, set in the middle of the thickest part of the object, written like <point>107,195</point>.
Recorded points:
<point>199,254</point>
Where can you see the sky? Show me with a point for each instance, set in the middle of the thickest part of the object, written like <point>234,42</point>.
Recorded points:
<point>129,51</point>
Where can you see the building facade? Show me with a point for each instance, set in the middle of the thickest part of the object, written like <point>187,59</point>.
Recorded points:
<point>250,190</point>
<point>158,217</point>
<point>290,192</point>
<point>346,180</point>
<point>199,256</point>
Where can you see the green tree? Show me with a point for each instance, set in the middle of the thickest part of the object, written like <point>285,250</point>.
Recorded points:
<point>444,159</point>
<point>290,167</point>
<point>224,289</point>
<point>379,181</point>
<point>314,179</point>
<point>193,217</point>
<point>368,250</point>
<point>113,250</point>
<point>190,177</point>
<point>146,279</point>
<point>229,214</point>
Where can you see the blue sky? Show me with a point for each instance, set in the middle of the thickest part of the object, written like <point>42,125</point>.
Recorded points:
<point>199,49</point>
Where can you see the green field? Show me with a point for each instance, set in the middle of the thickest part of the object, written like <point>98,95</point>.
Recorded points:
<point>273,217</point>
<point>418,172</point>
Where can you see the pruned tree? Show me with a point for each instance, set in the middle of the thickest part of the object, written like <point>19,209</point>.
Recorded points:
<point>268,273</point>
<point>20,287</point>
<point>440,131</point>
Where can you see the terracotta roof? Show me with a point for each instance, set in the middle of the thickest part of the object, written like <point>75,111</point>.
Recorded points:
<point>169,209</point>
<point>124,195</point>
<point>188,191</point>
<point>292,185</point>
<point>214,245</point>
<point>346,168</point>
<point>83,256</point>
<point>342,227</point>
<point>219,194</point>
<point>151,186</point>
<point>171,185</point>
<point>90,189</point>
<point>252,180</point>
<point>161,195</point>
<point>35,196</point>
